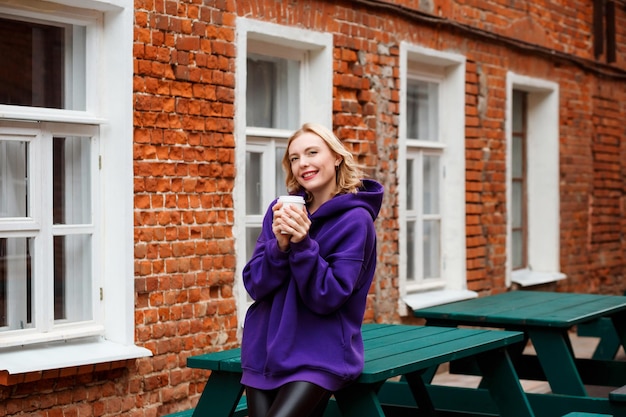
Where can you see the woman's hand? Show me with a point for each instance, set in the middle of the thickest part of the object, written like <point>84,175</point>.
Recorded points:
<point>291,224</point>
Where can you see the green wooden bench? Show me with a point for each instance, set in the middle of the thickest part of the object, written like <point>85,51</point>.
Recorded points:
<point>413,353</point>
<point>408,352</point>
<point>609,339</point>
<point>477,402</point>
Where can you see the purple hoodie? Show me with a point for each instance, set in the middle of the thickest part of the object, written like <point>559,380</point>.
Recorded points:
<point>305,323</point>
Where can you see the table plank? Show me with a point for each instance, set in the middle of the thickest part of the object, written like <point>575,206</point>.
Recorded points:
<point>226,360</point>
<point>399,357</point>
<point>527,308</point>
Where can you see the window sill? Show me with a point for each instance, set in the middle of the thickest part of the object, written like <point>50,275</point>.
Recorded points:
<point>527,278</point>
<point>435,298</point>
<point>54,359</point>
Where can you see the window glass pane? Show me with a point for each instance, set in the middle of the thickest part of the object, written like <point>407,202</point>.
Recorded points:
<point>252,234</point>
<point>71,165</point>
<point>517,156</point>
<point>517,249</point>
<point>281,187</point>
<point>410,184</point>
<point>518,111</point>
<point>431,184</point>
<point>254,168</point>
<point>272,92</point>
<point>13,179</point>
<point>431,249</point>
<point>517,204</point>
<point>43,64</point>
<point>422,110</point>
<point>16,289</point>
<point>411,273</point>
<point>72,278</point>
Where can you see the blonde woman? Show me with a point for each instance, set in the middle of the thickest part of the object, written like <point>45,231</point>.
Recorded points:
<point>309,277</point>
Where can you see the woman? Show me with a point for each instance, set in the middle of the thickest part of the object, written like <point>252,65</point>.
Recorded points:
<point>309,277</point>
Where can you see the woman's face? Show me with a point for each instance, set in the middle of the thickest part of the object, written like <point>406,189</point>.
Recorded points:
<point>313,165</point>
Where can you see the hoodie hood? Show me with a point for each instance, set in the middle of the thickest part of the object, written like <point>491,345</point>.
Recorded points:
<point>369,197</point>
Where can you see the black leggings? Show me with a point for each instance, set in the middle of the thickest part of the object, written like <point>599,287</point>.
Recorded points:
<point>294,399</point>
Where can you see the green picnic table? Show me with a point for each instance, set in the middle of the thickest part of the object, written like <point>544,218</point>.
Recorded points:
<point>410,353</point>
<point>546,318</point>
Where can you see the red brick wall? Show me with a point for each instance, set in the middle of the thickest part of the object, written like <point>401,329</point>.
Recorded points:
<point>184,75</point>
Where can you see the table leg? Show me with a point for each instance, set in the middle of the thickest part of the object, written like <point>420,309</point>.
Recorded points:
<point>220,395</point>
<point>420,393</point>
<point>557,360</point>
<point>359,400</point>
<point>619,322</point>
<point>500,378</point>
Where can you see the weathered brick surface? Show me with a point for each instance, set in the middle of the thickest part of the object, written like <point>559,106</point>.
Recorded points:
<point>184,167</point>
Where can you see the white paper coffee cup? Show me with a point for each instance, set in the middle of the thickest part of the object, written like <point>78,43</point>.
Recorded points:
<point>288,200</point>
<point>291,200</point>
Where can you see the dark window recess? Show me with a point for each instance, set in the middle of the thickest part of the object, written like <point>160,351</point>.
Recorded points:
<point>610,32</point>
<point>32,71</point>
<point>58,216</point>
<point>604,30</point>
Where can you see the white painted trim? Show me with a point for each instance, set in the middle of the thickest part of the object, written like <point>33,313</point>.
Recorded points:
<point>58,355</point>
<point>543,179</point>
<point>450,68</point>
<point>48,115</point>
<point>315,106</point>
<point>116,140</point>
<point>434,298</point>
<point>101,5</point>
<point>527,278</point>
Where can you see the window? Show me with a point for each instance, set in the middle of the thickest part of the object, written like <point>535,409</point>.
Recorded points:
<point>519,179</point>
<point>60,276</point>
<point>47,176</point>
<point>431,177</point>
<point>287,81</point>
<point>423,183</point>
<point>272,104</point>
<point>533,181</point>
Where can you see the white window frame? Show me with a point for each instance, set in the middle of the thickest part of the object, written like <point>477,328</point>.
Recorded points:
<point>108,110</point>
<point>543,198</point>
<point>266,146</point>
<point>448,69</point>
<point>40,228</point>
<point>416,152</point>
<point>315,92</point>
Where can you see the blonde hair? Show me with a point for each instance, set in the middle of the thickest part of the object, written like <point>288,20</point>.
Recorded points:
<point>348,175</point>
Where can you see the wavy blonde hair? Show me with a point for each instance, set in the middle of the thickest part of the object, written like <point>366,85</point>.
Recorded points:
<point>348,175</point>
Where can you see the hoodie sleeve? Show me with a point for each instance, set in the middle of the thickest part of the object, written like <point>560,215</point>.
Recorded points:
<point>325,281</point>
<point>268,268</point>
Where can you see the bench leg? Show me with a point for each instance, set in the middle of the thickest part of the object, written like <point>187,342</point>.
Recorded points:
<point>503,384</point>
<point>220,396</point>
<point>420,393</point>
<point>557,361</point>
<point>619,325</point>
<point>603,329</point>
<point>359,400</point>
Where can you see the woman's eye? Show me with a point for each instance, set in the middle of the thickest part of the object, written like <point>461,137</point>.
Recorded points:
<point>293,159</point>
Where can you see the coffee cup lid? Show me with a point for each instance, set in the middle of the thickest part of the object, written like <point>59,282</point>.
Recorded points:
<point>291,199</point>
